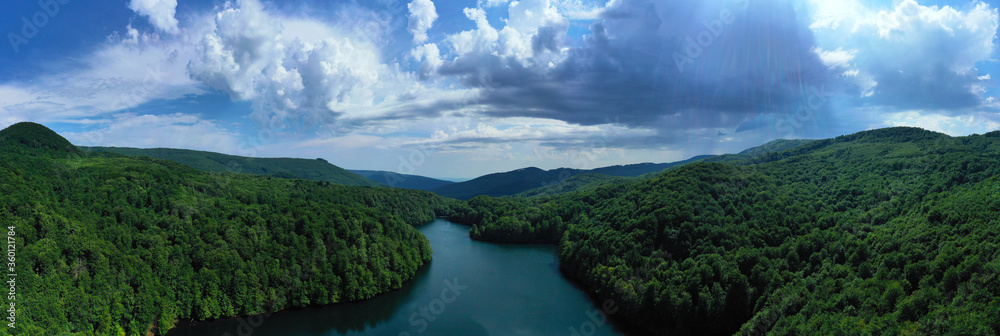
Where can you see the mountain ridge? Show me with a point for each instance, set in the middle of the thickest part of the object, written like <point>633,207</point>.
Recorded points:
<point>306,169</point>
<point>397,180</point>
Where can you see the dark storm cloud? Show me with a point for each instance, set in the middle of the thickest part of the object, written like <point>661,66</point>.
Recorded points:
<point>938,88</point>
<point>643,65</point>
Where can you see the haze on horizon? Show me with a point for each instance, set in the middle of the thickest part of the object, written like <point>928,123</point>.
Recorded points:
<point>457,89</point>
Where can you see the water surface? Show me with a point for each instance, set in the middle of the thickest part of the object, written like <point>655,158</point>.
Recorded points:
<point>469,288</point>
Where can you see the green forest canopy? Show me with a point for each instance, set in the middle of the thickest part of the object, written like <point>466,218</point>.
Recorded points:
<point>306,169</point>
<point>112,244</point>
<point>884,232</point>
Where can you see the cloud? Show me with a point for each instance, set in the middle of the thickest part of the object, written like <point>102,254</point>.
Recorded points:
<point>430,57</point>
<point>625,67</point>
<point>422,16</point>
<point>125,72</point>
<point>159,12</point>
<point>953,125</point>
<point>909,56</point>
<point>670,78</point>
<point>531,130</point>
<point>492,3</point>
<point>249,54</point>
<point>168,131</point>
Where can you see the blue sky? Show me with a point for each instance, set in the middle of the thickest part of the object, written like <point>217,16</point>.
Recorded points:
<point>458,89</point>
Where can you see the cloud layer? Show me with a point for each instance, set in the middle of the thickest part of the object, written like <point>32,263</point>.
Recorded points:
<point>159,12</point>
<point>667,78</point>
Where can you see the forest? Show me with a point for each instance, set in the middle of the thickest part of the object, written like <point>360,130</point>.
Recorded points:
<point>883,232</point>
<point>119,245</point>
<point>306,169</point>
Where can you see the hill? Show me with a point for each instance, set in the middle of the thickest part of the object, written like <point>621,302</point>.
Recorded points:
<point>396,180</point>
<point>884,232</point>
<point>766,149</point>
<point>526,180</point>
<point>506,183</point>
<point>109,244</point>
<point>578,182</point>
<point>639,169</point>
<point>315,170</point>
<point>32,135</point>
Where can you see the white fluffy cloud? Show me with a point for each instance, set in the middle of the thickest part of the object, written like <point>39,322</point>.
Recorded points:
<point>430,57</point>
<point>249,54</point>
<point>910,55</point>
<point>533,35</point>
<point>422,16</point>
<point>160,13</point>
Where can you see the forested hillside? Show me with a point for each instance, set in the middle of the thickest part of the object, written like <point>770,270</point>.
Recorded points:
<point>405,181</point>
<point>884,232</point>
<point>109,244</point>
<point>578,182</point>
<point>532,181</point>
<point>306,169</point>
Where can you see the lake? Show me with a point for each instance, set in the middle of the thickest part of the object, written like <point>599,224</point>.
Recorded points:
<point>469,288</point>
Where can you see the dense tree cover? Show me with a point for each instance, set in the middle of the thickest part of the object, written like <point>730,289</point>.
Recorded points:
<point>578,182</point>
<point>767,148</point>
<point>885,232</point>
<point>306,169</point>
<point>533,181</point>
<point>639,169</point>
<point>406,181</point>
<point>508,220</point>
<point>110,244</point>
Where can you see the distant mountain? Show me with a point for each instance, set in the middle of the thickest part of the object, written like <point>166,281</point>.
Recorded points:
<point>525,179</point>
<point>534,181</point>
<point>575,183</point>
<point>754,152</point>
<point>635,170</point>
<point>507,183</point>
<point>306,169</point>
<point>405,181</point>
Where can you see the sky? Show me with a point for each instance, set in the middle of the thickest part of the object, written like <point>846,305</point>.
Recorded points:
<point>458,89</point>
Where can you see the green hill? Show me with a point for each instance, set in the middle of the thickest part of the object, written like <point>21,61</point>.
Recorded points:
<point>534,181</point>
<point>316,170</point>
<point>578,182</point>
<point>405,181</point>
<point>639,169</point>
<point>35,136</point>
<point>108,244</point>
<point>526,179</point>
<point>506,183</point>
<point>764,150</point>
<point>884,232</point>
